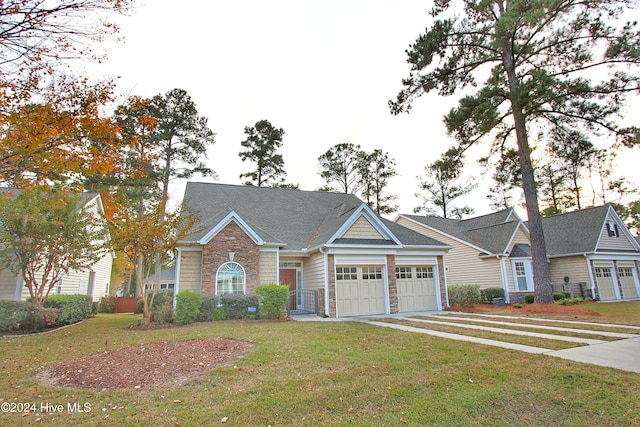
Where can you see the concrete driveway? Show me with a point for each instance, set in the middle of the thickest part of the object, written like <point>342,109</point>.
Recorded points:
<point>624,353</point>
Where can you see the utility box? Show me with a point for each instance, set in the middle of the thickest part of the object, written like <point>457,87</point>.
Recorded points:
<point>498,302</point>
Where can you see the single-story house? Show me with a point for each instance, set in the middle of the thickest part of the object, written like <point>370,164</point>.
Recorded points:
<point>593,247</point>
<point>327,247</point>
<point>93,282</point>
<point>590,252</point>
<point>490,250</point>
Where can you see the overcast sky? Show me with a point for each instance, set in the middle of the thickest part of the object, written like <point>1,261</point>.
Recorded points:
<point>322,71</point>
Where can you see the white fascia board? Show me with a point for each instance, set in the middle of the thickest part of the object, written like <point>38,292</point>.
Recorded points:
<point>435,230</point>
<point>232,216</point>
<point>622,226</point>
<point>368,213</point>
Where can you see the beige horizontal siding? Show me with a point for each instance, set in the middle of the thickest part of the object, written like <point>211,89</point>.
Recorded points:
<point>190,271</point>
<point>574,267</point>
<point>362,229</point>
<point>614,243</point>
<point>267,268</point>
<point>313,271</point>
<point>464,266</point>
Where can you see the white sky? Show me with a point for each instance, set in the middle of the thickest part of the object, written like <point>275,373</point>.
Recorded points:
<point>322,71</point>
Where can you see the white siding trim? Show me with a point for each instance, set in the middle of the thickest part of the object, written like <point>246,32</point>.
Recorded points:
<point>17,295</point>
<point>505,280</point>
<point>232,216</point>
<point>176,284</point>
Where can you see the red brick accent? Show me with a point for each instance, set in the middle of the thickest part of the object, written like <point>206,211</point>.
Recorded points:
<point>393,288</point>
<point>215,253</point>
<point>331,271</point>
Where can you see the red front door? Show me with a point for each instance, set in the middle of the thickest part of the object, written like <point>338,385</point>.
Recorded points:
<point>288,277</point>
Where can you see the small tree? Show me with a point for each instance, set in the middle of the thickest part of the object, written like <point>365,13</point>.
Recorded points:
<point>263,139</point>
<point>342,164</point>
<point>144,238</point>
<point>442,188</point>
<point>375,172</point>
<point>45,234</point>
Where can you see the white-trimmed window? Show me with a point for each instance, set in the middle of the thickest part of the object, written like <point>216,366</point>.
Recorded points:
<point>523,276</point>
<point>625,272</point>
<point>424,272</point>
<point>403,273</point>
<point>371,273</point>
<point>346,273</point>
<point>603,272</point>
<point>230,279</point>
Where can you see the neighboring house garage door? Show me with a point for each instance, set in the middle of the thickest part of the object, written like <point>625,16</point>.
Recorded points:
<point>606,283</point>
<point>416,289</point>
<point>628,282</point>
<point>360,291</point>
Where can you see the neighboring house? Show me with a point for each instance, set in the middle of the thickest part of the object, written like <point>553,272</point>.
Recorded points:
<point>590,252</point>
<point>167,279</point>
<point>94,282</point>
<point>593,246</point>
<point>322,244</point>
<point>490,250</point>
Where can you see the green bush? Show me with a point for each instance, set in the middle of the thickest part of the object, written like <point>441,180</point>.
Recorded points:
<point>571,301</point>
<point>71,308</point>
<point>162,307</point>
<point>207,308</point>
<point>487,295</point>
<point>273,300</point>
<point>237,306</point>
<point>106,305</point>
<point>13,315</point>
<point>187,306</point>
<point>529,298</point>
<point>219,314</point>
<point>558,296</point>
<point>464,295</point>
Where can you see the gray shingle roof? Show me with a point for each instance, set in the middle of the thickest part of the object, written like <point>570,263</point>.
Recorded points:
<point>292,219</point>
<point>574,232</point>
<point>492,233</point>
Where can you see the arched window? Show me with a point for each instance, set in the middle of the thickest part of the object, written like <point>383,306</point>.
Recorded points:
<point>230,279</point>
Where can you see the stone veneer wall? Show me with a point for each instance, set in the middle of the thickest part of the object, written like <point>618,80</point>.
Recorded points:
<point>393,288</point>
<point>230,244</point>
<point>441,279</point>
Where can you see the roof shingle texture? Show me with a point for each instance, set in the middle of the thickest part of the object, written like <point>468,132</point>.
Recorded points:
<point>292,219</point>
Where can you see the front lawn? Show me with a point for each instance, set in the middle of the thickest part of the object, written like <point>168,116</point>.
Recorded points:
<point>320,373</point>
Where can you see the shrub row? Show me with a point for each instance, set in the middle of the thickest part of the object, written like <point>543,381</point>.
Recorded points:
<point>57,310</point>
<point>464,295</point>
<point>557,296</point>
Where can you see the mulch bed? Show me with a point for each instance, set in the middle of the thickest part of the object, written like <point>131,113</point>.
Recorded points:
<point>146,366</point>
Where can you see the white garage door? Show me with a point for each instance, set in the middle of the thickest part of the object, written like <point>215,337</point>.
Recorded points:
<point>628,282</point>
<point>416,289</point>
<point>360,291</point>
<point>606,283</point>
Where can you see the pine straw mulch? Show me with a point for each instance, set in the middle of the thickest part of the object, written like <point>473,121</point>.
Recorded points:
<point>146,366</point>
<point>531,309</point>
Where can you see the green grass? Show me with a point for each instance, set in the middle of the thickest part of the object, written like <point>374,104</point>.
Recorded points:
<point>459,329</point>
<point>325,373</point>
<point>514,326</point>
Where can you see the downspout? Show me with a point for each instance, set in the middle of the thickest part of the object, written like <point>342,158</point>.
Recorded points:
<point>176,285</point>
<point>505,280</point>
<point>326,282</point>
<point>593,279</point>
<point>446,284</point>
<point>17,295</point>
<point>278,266</point>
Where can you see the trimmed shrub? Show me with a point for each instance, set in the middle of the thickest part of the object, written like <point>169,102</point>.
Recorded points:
<point>71,308</point>
<point>106,305</point>
<point>13,315</point>
<point>219,314</point>
<point>238,306</point>
<point>571,301</point>
<point>529,298</point>
<point>207,309</point>
<point>557,296</point>
<point>464,295</point>
<point>273,300</point>
<point>187,306</point>
<point>487,295</point>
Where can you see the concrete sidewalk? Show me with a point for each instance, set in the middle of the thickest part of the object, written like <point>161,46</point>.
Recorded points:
<point>623,354</point>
